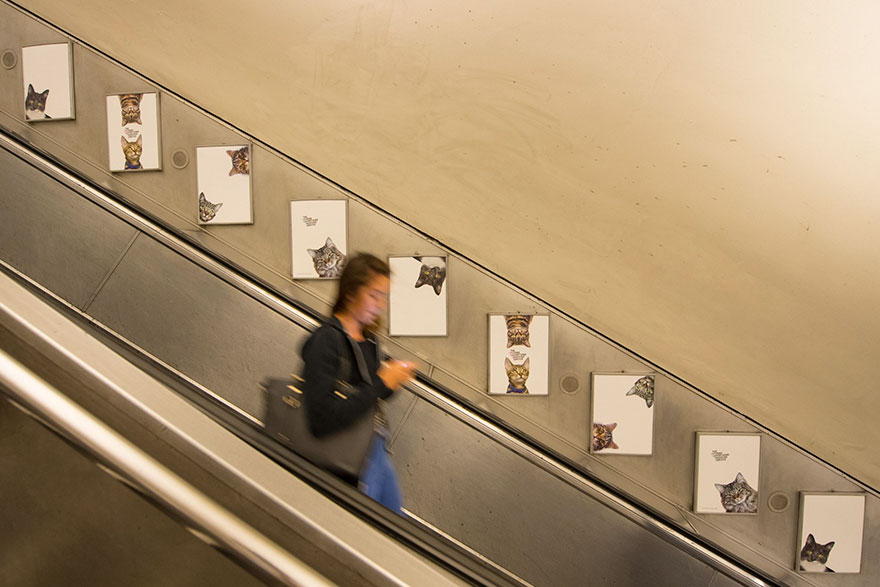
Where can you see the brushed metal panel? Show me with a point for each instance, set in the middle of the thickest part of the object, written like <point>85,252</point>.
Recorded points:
<point>64,522</point>
<point>198,324</point>
<point>53,235</point>
<point>530,522</point>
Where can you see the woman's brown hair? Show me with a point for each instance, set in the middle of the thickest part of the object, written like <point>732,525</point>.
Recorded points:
<point>358,271</point>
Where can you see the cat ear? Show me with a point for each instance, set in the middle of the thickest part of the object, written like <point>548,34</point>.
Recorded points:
<point>810,539</point>
<point>632,390</point>
<point>31,89</point>
<point>719,487</point>
<point>231,153</point>
<point>140,140</point>
<point>217,206</point>
<point>612,444</point>
<point>611,426</point>
<point>122,141</point>
<point>526,362</point>
<point>329,243</point>
<point>649,401</point>
<point>201,197</point>
<point>45,94</point>
<point>313,252</point>
<point>740,478</point>
<point>508,364</point>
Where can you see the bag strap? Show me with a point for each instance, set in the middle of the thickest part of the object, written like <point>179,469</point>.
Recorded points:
<point>359,359</point>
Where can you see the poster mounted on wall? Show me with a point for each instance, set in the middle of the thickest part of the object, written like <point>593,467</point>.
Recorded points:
<point>417,302</point>
<point>519,354</point>
<point>133,131</point>
<point>224,184</point>
<point>319,235</point>
<point>622,413</point>
<point>47,74</point>
<point>830,533</point>
<point>727,468</point>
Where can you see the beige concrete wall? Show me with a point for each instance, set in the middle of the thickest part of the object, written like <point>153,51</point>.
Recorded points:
<point>697,180</point>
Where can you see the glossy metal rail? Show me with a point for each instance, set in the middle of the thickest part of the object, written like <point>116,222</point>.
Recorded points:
<point>237,539</point>
<point>419,388</point>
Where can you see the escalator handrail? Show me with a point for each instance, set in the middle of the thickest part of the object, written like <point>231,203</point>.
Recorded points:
<point>204,516</point>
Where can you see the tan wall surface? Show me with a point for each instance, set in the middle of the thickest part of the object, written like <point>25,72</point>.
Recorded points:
<point>697,180</point>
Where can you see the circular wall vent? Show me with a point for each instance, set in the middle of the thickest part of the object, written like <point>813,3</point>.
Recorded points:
<point>778,502</point>
<point>179,159</point>
<point>570,383</point>
<point>8,59</point>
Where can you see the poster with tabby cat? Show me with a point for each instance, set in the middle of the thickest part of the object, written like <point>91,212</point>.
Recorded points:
<point>319,238</point>
<point>417,300</point>
<point>223,176</point>
<point>133,138</point>
<point>519,354</point>
<point>830,532</point>
<point>627,400</point>
<point>727,473</point>
<point>47,80</point>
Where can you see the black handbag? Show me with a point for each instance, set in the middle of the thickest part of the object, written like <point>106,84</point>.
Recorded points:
<point>343,452</point>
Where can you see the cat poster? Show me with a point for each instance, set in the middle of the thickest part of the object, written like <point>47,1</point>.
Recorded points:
<point>47,74</point>
<point>727,467</point>
<point>133,132</point>
<point>417,301</point>
<point>319,238</point>
<point>622,413</point>
<point>519,354</point>
<point>224,184</point>
<point>830,533</point>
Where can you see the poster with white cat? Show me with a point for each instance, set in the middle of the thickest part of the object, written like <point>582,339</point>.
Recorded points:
<point>519,354</point>
<point>133,131</point>
<point>830,533</point>
<point>622,413</point>
<point>47,74</point>
<point>727,467</point>
<point>224,184</point>
<point>319,238</point>
<point>417,301</point>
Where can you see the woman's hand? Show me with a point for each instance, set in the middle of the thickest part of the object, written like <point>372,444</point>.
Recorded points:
<point>395,373</point>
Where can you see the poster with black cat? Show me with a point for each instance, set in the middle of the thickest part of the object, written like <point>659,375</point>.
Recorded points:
<point>133,131</point>
<point>224,184</point>
<point>47,74</point>
<point>727,468</point>
<point>622,413</point>
<point>519,354</point>
<point>319,238</point>
<point>830,533</point>
<point>417,301</point>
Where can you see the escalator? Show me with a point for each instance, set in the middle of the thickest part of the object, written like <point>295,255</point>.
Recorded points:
<point>208,332</point>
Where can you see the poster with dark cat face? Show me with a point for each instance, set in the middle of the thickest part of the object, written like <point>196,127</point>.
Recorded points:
<point>133,132</point>
<point>627,399</point>
<point>830,533</point>
<point>519,354</point>
<point>319,235</point>
<point>727,470</point>
<point>47,76</point>
<point>223,176</point>
<point>417,301</point>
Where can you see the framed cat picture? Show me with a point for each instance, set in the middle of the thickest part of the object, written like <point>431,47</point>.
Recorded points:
<point>133,139</point>
<point>319,238</point>
<point>224,184</point>
<point>417,302</point>
<point>830,533</point>
<point>622,413</point>
<point>726,475</point>
<point>47,74</point>
<point>519,354</point>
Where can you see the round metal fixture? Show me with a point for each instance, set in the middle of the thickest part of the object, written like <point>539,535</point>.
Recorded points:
<point>179,159</point>
<point>778,502</point>
<point>570,383</point>
<point>8,59</point>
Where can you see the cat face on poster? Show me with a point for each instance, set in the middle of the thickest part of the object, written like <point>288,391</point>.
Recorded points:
<point>328,260</point>
<point>814,556</point>
<point>207,210</point>
<point>240,164</point>
<point>603,437</point>
<point>35,104</point>
<point>738,496</point>
<point>132,151</point>
<point>518,330</point>
<point>130,105</point>
<point>432,273</point>
<point>517,376</point>
<point>643,388</point>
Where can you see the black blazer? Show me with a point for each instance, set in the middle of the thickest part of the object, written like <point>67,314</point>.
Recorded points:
<point>330,355</point>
